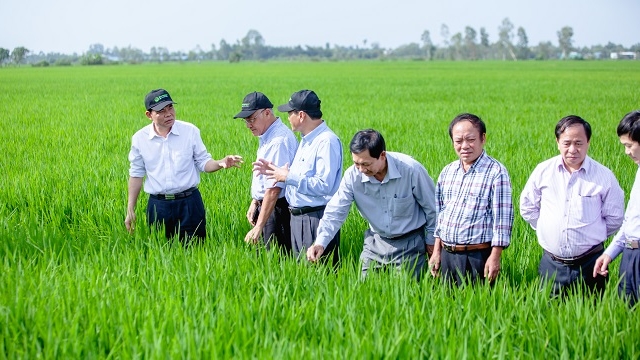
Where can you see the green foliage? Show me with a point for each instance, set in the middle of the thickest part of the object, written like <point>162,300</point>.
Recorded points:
<point>75,284</point>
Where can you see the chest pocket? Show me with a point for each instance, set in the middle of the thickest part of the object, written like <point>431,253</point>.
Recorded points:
<point>587,208</point>
<point>473,205</point>
<point>182,161</point>
<point>402,207</point>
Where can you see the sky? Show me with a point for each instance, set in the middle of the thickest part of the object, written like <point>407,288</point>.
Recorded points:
<point>68,26</point>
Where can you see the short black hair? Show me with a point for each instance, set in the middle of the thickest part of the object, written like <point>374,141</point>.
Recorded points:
<point>473,119</point>
<point>571,120</point>
<point>368,139</point>
<point>630,125</point>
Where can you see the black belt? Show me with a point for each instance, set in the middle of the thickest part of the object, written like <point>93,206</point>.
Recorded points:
<point>180,195</point>
<point>410,233</point>
<point>281,201</point>
<point>578,260</point>
<point>305,209</point>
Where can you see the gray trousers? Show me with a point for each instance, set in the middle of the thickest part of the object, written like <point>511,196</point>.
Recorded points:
<point>405,252</point>
<point>567,277</point>
<point>630,272</point>
<point>303,233</point>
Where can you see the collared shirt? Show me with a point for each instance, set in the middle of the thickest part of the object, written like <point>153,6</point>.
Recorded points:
<point>474,207</point>
<point>630,229</point>
<point>172,164</point>
<point>402,202</point>
<point>278,145</point>
<point>314,175</point>
<point>572,212</point>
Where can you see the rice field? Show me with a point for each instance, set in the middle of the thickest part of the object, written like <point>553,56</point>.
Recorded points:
<point>75,284</point>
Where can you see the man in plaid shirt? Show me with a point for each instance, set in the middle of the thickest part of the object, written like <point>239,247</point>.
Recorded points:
<point>475,210</point>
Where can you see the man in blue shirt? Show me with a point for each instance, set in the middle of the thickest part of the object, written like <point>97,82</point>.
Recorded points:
<point>314,175</point>
<point>395,194</point>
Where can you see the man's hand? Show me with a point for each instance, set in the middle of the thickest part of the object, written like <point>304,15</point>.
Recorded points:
<point>492,266</point>
<point>602,265</point>
<point>434,263</point>
<point>253,236</point>
<point>251,212</point>
<point>231,161</point>
<point>130,221</point>
<point>265,167</point>
<point>315,252</point>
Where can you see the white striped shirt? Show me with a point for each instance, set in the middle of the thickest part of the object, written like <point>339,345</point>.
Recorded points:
<point>572,212</point>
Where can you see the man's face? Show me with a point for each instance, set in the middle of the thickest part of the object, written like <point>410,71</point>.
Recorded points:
<point>573,146</point>
<point>631,148</point>
<point>257,122</point>
<point>163,119</point>
<point>467,141</point>
<point>369,165</point>
<point>294,120</point>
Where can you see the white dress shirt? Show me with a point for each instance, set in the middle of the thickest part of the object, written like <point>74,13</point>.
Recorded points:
<point>572,212</point>
<point>630,229</point>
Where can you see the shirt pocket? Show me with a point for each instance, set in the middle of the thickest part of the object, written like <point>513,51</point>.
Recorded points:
<point>474,205</point>
<point>402,207</point>
<point>182,161</point>
<point>588,208</point>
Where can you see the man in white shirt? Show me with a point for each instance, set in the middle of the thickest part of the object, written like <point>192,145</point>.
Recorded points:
<point>627,240</point>
<point>395,194</point>
<point>574,203</point>
<point>171,154</point>
<point>269,209</point>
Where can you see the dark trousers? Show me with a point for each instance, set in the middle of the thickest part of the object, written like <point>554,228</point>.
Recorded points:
<point>405,252</point>
<point>184,216</point>
<point>629,286</point>
<point>277,230</point>
<point>303,233</point>
<point>568,278</point>
<point>464,267</point>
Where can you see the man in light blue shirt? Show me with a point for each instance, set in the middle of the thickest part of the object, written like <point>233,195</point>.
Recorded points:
<point>395,194</point>
<point>314,175</point>
<point>627,240</point>
<point>269,210</point>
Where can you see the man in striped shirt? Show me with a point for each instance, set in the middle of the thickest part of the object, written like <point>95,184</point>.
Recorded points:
<point>574,203</point>
<point>475,211</point>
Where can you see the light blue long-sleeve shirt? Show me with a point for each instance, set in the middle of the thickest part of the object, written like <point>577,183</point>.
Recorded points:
<point>314,175</point>
<point>630,229</point>
<point>402,202</point>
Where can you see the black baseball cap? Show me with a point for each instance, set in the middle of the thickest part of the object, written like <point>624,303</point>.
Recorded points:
<point>157,99</point>
<point>305,100</point>
<point>253,102</point>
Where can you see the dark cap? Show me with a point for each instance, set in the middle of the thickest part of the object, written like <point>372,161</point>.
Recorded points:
<point>157,100</point>
<point>305,100</point>
<point>253,102</point>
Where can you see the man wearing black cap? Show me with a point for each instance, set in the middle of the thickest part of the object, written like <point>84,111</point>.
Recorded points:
<point>314,175</point>
<point>269,211</point>
<point>171,154</point>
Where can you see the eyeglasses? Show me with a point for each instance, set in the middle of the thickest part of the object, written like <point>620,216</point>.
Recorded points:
<point>251,119</point>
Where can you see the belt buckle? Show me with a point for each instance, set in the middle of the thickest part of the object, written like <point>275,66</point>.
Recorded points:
<point>170,197</point>
<point>631,244</point>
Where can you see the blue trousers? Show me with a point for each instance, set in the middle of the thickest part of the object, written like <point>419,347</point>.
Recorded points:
<point>185,217</point>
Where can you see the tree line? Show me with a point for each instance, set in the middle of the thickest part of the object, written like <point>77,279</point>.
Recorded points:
<point>512,44</point>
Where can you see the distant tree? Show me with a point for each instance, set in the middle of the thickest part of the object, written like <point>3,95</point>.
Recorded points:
<point>471,43</point>
<point>411,50</point>
<point>484,42</point>
<point>225,50</point>
<point>96,49</point>
<point>427,44</point>
<point>544,51</point>
<point>18,54</point>
<point>4,55</point>
<point>565,40</point>
<point>505,33</point>
<point>523,44</point>
<point>444,32</point>
<point>457,45</point>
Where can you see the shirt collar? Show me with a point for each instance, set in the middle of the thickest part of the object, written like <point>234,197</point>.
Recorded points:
<point>392,171</point>
<point>153,133</point>
<point>586,164</point>
<point>317,131</point>
<point>264,137</point>
<point>476,163</point>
